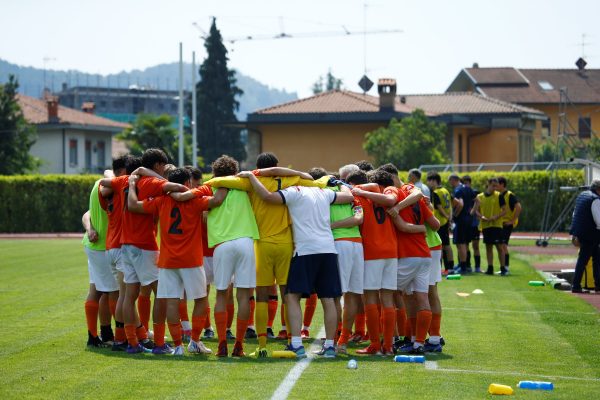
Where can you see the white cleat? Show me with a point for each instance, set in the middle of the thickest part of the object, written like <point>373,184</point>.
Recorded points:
<point>178,351</point>
<point>198,348</point>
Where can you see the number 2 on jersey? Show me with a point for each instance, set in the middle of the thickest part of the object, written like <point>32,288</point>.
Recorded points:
<point>174,229</point>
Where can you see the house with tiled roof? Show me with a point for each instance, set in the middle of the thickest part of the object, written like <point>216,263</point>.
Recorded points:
<point>541,89</point>
<point>328,129</point>
<point>69,141</point>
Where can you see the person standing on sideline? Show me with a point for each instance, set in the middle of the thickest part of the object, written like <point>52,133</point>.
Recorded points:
<point>414,177</point>
<point>586,234</point>
<point>511,218</point>
<point>462,231</point>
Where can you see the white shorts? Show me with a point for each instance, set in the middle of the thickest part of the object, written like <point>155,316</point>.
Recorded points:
<point>381,274</point>
<point>435,274</point>
<point>208,270</point>
<point>100,273</point>
<point>115,258</point>
<point>173,281</point>
<point>235,258</point>
<point>139,266</point>
<point>351,265</point>
<point>413,274</point>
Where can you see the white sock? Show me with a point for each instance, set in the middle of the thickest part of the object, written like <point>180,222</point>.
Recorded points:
<point>417,344</point>
<point>283,328</point>
<point>296,341</point>
<point>186,326</point>
<point>413,338</point>
<point>434,339</point>
<point>305,328</point>
<point>251,327</point>
<point>328,343</point>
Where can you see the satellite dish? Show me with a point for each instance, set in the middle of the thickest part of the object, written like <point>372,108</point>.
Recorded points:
<point>365,83</point>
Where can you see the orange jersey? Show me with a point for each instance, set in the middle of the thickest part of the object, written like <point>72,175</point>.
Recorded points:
<point>180,232</point>
<point>114,210</point>
<point>411,244</point>
<point>139,229</point>
<point>204,190</point>
<point>377,231</point>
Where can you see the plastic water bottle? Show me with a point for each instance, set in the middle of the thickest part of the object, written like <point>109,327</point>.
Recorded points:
<point>352,364</point>
<point>496,388</point>
<point>410,359</point>
<point>536,283</point>
<point>453,277</point>
<point>535,385</point>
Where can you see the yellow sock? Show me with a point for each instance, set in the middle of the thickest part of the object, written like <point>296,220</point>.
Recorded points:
<point>261,315</point>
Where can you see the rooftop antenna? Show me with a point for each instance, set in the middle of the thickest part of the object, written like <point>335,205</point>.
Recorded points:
<point>46,60</point>
<point>365,83</point>
<point>583,43</point>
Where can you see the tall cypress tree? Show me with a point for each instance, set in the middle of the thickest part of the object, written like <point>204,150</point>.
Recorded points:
<point>216,103</point>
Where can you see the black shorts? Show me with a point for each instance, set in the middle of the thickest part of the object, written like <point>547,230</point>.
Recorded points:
<point>462,233</point>
<point>506,232</point>
<point>315,273</point>
<point>444,233</point>
<point>475,233</point>
<point>492,235</point>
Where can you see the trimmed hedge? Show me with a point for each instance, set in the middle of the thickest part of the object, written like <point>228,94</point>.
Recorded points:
<point>55,203</point>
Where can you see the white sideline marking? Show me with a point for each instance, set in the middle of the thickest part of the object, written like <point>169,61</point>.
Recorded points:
<point>518,312</point>
<point>292,377</point>
<point>432,365</point>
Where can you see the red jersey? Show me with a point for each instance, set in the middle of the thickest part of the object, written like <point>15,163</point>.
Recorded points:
<point>139,229</point>
<point>200,191</point>
<point>180,231</point>
<point>114,210</point>
<point>411,244</point>
<point>377,231</point>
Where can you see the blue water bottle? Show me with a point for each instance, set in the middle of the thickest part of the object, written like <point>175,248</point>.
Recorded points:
<point>535,385</point>
<point>409,359</point>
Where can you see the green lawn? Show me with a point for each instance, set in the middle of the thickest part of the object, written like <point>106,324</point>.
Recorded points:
<point>511,332</point>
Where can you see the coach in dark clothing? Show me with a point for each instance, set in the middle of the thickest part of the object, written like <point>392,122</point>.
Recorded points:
<point>586,234</point>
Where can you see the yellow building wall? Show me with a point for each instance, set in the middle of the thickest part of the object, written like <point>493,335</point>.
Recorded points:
<point>573,113</point>
<point>496,146</point>
<point>303,146</point>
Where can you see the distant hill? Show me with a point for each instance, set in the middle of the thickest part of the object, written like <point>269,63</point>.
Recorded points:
<point>164,76</point>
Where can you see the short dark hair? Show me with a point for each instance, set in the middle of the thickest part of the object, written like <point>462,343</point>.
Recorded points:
<point>434,176</point>
<point>132,164</point>
<point>492,180</point>
<point>466,178</point>
<point>381,177</point>
<point>389,167</point>
<point>364,165</point>
<point>153,156</point>
<point>415,172</point>
<point>357,177</point>
<point>502,181</point>
<point>317,172</point>
<point>454,176</point>
<point>225,166</point>
<point>196,173</point>
<point>266,160</point>
<point>120,162</point>
<point>180,175</point>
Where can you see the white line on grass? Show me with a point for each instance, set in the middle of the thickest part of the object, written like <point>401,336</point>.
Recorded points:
<point>292,377</point>
<point>490,310</point>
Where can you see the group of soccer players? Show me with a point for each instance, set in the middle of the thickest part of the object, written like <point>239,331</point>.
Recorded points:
<point>359,234</point>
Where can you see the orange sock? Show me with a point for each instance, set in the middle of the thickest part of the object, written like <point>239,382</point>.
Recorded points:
<point>131,335</point>
<point>112,306</point>
<point>175,330</point>
<point>143,305</point>
<point>282,312</point>
<point>346,333</point>
<point>359,323</point>
<point>272,307</point>
<point>141,333</point>
<point>389,326</point>
<point>373,324</point>
<point>159,334</point>
<point>183,310</point>
<point>413,326</point>
<point>230,314</point>
<point>91,316</point>
<point>379,309</point>
<point>197,325</point>
<point>240,330</point>
<point>252,308</point>
<point>423,323</point>
<point>309,309</point>
<point>436,322</point>
<point>207,319</point>
<point>401,321</point>
<point>120,336</point>
<point>221,322</point>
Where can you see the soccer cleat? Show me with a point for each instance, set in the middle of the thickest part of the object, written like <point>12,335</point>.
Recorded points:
<point>442,341</point>
<point>198,348</point>
<point>387,352</point>
<point>477,270</point>
<point>490,271</point>
<point>178,351</point>
<point>304,334</point>
<point>209,333</point>
<point>432,348</point>
<point>137,349</point>
<point>147,343</point>
<point>357,337</point>
<point>445,272</point>
<point>419,350</point>
<point>119,346</point>
<point>406,348</point>
<point>161,350</point>
<point>95,341</point>
<point>328,352</point>
<point>238,350</point>
<point>261,353</point>
<point>270,333</point>
<point>222,351</point>
<point>342,349</point>
<point>229,335</point>
<point>300,352</point>
<point>186,336</point>
<point>282,335</point>
<point>503,271</point>
<point>370,350</point>
<point>250,334</point>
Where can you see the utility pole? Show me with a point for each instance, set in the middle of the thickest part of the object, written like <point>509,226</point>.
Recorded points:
<point>181,104</point>
<point>194,116</point>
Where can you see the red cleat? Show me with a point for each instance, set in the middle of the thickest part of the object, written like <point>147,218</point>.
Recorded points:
<point>222,351</point>
<point>357,337</point>
<point>371,351</point>
<point>238,350</point>
<point>304,334</point>
<point>282,335</point>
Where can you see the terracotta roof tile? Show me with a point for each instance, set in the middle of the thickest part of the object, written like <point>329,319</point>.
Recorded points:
<point>464,103</point>
<point>502,75</point>
<point>36,112</point>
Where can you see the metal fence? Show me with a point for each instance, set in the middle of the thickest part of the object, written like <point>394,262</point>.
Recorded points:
<point>506,167</point>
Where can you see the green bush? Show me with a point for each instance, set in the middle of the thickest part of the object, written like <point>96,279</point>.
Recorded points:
<point>44,203</point>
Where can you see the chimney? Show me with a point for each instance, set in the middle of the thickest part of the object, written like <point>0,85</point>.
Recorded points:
<point>88,107</point>
<point>52,103</point>
<point>386,87</point>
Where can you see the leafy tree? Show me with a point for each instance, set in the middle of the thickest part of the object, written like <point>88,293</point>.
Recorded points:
<point>156,131</point>
<point>16,135</point>
<point>546,150</point>
<point>408,143</point>
<point>329,82</point>
<point>216,103</point>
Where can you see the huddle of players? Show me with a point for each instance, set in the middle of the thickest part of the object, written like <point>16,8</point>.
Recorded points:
<point>368,237</point>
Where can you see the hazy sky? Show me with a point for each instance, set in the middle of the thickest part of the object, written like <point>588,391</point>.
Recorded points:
<point>438,39</point>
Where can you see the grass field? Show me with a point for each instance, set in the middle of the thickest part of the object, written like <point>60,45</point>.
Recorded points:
<point>511,332</point>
